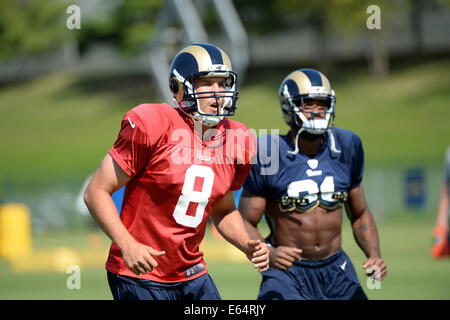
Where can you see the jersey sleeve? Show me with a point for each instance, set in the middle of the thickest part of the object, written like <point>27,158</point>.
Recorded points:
<point>132,148</point>
<point>256,179</point>
<point>246,156</point>
<point>357,162</point>
<point>239,177</point>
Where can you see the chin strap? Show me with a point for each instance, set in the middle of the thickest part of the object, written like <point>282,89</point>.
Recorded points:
<point>332,142</point>
<point>296,150</point>
<point>210,121</point>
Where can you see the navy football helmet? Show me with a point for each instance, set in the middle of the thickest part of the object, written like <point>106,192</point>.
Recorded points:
<point>295,89</point>
<point>203,60</point>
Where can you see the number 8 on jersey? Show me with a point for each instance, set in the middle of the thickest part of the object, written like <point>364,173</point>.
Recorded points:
<point>188,194</point>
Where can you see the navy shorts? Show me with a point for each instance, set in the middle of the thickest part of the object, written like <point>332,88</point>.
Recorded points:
<point>331,278</point>
<point>130,288</point>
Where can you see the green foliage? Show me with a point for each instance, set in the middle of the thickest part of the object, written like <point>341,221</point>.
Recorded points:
<point>36,26</point>
<point>337,15</point>
<point>31,26</point>
<point>260,16</point>
<point>347,16</point>
<point>445,2</point>
<point>130,26</point>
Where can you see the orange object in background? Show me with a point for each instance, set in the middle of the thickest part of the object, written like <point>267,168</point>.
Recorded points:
<point>441,246</point>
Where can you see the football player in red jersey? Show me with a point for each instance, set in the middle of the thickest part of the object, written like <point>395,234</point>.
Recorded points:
<point>180,167</point>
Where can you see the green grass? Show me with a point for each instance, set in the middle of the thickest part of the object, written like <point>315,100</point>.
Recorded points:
<point>61,125</point>
<point>412,274</point>
<point>52,286</point>
<point>405,244</point>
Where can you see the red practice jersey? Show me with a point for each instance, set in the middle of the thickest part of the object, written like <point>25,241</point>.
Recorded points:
<point>176,180</point>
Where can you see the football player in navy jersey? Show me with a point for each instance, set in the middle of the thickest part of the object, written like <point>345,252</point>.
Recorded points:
<point>320,169</point>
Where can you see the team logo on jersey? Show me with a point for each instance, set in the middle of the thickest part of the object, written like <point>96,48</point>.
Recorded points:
<point>131,123</point>
<point>199,156</point>
<point>313,163</point>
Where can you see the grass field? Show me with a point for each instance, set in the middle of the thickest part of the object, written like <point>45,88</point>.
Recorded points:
<point>405,247</point>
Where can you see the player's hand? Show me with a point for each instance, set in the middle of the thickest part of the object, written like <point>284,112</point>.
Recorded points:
<point>139,258</point>
<point>283,257</point>
<point>258,253</point>
<point>376,267</point>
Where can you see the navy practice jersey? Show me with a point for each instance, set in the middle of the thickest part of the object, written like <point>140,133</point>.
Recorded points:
<point>300,182</point>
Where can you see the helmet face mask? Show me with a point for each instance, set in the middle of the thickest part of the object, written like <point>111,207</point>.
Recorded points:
<point>203,61</point>
<point>314,122</point>
<point>299,87</point>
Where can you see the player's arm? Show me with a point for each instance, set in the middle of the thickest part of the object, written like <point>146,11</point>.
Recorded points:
<point>252,207</point>
<point>229,224</point>
<point>365,232</point>
<point>107,179</point>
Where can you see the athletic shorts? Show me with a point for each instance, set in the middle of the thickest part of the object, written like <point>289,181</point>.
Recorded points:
<point>332,278</point>
<point>130,288</point>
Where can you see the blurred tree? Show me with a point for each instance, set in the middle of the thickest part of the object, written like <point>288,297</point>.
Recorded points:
<point>416,11</point>
<point>260,16</point>
<point>129,26</point>
<point>31,26</point>
<point>417,8</point>
<point>324,17</point>
<point>345,16</point>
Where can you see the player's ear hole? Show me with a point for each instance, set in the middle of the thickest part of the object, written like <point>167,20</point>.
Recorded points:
<point>174,86</point>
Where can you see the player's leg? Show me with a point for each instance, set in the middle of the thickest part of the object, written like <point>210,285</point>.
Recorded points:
<point>124,288</point>
<point>201,288</point>
<point>359,294</point>
<point>280,285</point>
<point>343,283</point>
<point>129,288</point>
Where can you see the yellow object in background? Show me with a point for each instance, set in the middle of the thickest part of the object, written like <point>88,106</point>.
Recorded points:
<point>15,230</point>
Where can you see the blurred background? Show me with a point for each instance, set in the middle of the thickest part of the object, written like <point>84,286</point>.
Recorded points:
<point>69,70</point>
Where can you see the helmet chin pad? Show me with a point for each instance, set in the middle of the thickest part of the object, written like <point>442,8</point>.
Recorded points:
<point>210,120</point>
<point>314,126</point>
